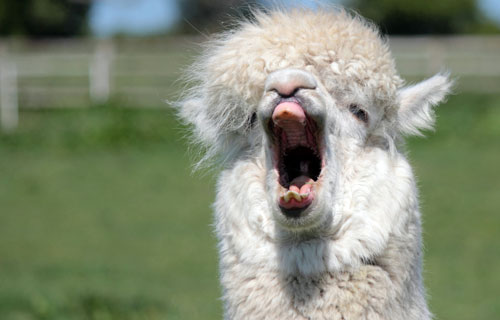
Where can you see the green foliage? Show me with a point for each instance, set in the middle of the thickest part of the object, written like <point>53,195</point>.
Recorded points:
<point>42,18</point>
<point>394,16</point>
<point>101,218</point>
<point>425,16</point>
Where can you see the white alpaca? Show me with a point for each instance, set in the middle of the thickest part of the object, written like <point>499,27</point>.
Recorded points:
<point>316,212</point>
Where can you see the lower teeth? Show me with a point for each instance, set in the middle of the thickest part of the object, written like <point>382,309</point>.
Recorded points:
<point>292,194</point>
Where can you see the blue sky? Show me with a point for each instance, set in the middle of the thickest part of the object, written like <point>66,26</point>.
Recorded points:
<point>145,17</point>
<point>135,17</point>
<point>491,8</point>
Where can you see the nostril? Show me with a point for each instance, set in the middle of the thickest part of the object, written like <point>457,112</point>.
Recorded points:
<point>288,81</point>
<point>286,92</point>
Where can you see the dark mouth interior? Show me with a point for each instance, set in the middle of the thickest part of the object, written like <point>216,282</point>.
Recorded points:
<point>296,162</point>
<point>294,158</point>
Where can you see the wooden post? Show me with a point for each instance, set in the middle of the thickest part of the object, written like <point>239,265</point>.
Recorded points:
<point>100,72</point>
<point>9,111</point>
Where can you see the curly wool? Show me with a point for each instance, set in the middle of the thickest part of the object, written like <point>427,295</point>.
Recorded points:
<point>357,253</point>
<point>344,50</point>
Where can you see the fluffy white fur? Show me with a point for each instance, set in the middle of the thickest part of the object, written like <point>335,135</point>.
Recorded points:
<point>357,252</point>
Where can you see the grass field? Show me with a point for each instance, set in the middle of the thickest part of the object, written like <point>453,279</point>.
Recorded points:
<point>101,218</point>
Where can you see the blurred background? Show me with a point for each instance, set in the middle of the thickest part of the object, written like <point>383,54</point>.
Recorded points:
<point>100,215</point>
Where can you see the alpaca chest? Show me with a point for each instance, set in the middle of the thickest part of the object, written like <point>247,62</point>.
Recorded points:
<point>364,294</point>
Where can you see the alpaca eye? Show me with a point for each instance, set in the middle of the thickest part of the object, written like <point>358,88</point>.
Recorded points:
<point>252,120</point>
<point>359,113</point>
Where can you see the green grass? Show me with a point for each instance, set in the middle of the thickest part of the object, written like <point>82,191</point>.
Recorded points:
<point>458,170</point>
<point>101,218</point>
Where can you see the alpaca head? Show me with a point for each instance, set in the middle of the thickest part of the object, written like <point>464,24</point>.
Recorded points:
<point>315,100</point>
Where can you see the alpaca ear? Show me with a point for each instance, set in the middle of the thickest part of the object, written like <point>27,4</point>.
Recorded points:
<point>193,112</point>
<point>218,131</point>
<point>417,102</point>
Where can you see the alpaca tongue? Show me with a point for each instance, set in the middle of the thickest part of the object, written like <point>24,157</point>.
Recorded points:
<point>290,117</point>
<point>289,111</point>
<point>301,184</point>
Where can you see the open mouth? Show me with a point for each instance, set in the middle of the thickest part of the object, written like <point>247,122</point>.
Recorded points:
<point>297,155</point>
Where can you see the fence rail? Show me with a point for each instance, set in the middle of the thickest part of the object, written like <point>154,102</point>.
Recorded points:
<point>143,73</point>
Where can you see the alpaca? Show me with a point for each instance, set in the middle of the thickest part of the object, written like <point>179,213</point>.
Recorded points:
<point>316,211</point>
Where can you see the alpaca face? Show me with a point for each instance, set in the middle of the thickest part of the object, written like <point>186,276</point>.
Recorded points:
<point>310,134</point>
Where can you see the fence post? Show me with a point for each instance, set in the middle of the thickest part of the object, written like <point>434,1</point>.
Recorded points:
<point>100,72</point>
<point>9,111</point>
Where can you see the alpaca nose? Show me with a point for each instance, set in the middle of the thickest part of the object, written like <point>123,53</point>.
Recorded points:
<point>287,81</point>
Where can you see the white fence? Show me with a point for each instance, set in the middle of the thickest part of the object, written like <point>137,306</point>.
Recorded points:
<point>143,73</point>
